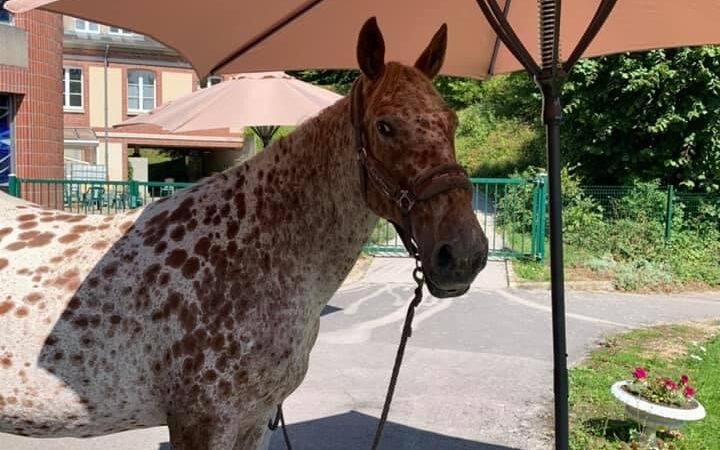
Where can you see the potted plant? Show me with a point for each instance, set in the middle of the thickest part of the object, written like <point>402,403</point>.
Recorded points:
<point>658,402</point>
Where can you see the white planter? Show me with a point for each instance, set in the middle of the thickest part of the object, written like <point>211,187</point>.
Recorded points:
<point>652,416</point>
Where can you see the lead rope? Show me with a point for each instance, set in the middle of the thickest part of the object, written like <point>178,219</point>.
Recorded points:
<point>280,419</point>
<point>419,278</point>
<point>406,333</point>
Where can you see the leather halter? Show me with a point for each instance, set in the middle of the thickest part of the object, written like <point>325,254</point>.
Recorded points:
<point>403,194</point>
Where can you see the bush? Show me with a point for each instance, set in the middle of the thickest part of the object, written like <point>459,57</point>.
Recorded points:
<point>642,274</point>
<point>490,147</point>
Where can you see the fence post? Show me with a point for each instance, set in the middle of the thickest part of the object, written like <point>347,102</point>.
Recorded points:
<point>669,213</point>
<point>13,185</point>
<point>538,219</point>
<point>134,193</point>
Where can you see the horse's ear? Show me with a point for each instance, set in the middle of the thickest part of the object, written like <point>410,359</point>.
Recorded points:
<point>371,50</point>
<point>431,60</point>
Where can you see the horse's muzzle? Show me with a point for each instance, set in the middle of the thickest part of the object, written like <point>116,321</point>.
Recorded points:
<point>453,268</point>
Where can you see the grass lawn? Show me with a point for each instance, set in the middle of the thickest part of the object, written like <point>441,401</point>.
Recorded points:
<point>596,419</point>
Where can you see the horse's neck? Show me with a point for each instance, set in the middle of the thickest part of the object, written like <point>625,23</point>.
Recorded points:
<point>307,198</point>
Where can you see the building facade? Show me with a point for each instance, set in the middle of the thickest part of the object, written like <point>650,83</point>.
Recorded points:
<point>31,115</point>
<point>110,75</point>
<point>65,83</point>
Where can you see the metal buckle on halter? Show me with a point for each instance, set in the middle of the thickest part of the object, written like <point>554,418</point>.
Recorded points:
<point>405,198</point>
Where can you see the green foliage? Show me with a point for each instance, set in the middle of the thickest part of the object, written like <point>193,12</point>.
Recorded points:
<point>641,274</point>
<point>339,81</point>
<point>383,233</point>
<point>494,148</point>
<point>621,234</point>
<point>597,419</point>
<point>646,116</point>
<point>459,93</point>
<point>661,389</point>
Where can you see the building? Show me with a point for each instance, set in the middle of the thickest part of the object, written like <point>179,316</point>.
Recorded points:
<point>64,84</point>
<point>31,116</point>
<point>109,75</point>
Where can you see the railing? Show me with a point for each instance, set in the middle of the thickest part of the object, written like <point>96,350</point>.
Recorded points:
<point>510,210</point>
<point>91,196</point>
<point>660,204</point>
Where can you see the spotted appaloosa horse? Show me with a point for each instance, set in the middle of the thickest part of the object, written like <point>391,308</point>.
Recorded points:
<point>200,310</point>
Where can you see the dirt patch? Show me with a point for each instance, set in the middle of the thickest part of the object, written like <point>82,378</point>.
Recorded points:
<point>674,341</point>
<point>587,274</point>
<point>359,270</point>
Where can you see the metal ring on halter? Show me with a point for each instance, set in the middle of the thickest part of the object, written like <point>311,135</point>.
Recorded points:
<point>405,201</point>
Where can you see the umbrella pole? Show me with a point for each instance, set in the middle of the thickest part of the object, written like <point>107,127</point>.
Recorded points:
<point>550,85</point>
<point>549,79</point>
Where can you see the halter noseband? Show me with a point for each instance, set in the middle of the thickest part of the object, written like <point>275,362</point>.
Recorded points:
<point>406,195</point>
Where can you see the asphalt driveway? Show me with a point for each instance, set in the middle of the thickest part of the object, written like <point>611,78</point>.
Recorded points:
<point>477,372</point>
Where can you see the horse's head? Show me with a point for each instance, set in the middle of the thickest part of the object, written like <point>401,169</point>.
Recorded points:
<point>405,137</point>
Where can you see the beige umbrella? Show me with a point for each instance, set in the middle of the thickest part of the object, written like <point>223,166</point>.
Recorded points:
<point>299,34</point>
<point>261,100</point>
<point>216,35</point>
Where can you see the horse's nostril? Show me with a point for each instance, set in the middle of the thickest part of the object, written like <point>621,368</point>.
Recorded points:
<point>444,258</point>
<point>480,261</point>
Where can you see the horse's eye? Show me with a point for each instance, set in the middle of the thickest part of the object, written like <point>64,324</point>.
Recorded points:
<point>384,128</point>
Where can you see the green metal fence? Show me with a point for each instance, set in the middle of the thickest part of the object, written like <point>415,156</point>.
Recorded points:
<point>660,204</point>
<point>511,211</point>
<point>91,196</point>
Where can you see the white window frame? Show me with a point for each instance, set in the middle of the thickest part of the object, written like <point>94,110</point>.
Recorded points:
<point>141,98</point>
<point>86,26</point>
<point>66,91</point>
<point>119,31</point>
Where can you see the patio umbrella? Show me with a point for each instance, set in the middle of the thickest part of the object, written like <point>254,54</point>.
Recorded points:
<point>262,101</point>
<point>216,35</point>
<point>300,34</point>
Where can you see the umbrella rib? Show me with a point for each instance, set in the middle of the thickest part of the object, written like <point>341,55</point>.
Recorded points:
<point>505,32</point>
<point>496,47</point>
<point>603,12</point>
<point>277,26</point>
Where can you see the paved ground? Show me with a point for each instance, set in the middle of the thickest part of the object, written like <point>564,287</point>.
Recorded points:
<point>477,374</point>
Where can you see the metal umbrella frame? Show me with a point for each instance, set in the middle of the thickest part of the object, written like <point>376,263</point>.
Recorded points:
<point>549,77</point>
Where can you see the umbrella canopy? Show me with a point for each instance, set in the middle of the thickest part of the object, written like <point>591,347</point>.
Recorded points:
<point>247,100</point>
<point>301,34</point>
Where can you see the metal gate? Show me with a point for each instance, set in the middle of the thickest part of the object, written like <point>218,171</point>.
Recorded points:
<point>511,211</point>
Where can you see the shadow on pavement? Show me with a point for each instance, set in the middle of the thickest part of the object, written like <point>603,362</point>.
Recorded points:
<point>354,431</point>
<point>329,309</point>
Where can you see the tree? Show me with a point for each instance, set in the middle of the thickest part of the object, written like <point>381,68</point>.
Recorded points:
<point>645,116</point>
<point>339,81</point>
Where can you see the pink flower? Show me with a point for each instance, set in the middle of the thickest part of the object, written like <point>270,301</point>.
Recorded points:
<point>684,379</point>
<point>689,391</point>
<point>639,373</point>
<point>669,384</point>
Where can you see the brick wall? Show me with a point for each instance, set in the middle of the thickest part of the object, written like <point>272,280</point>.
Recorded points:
<point>38,118</point>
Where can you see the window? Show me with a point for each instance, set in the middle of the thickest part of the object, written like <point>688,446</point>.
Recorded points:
<point>5,15</point>
<point>85,26</point>
<point>72,89</point>
<point>140,91</point>
<point>6,116</point>
<point>119,31</point>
